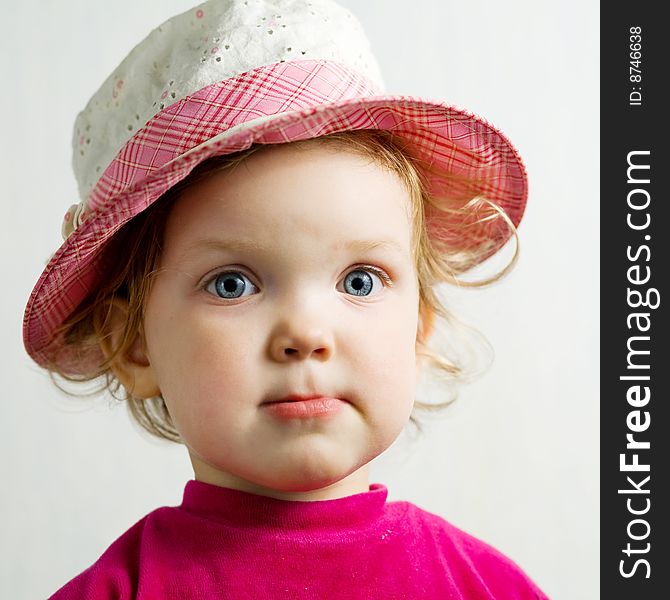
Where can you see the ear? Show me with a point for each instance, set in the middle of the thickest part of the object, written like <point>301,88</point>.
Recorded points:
<point>426,323</point>
<point>132,367</point>
<point>424,329</point>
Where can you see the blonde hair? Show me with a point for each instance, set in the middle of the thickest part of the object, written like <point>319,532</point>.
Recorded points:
<point>141,239</point>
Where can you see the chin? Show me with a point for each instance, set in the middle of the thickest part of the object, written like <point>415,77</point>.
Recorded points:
<point>307,481</point>
<point>310,477</point>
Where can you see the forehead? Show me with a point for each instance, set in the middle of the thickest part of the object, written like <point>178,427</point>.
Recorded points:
<point>326,194</point>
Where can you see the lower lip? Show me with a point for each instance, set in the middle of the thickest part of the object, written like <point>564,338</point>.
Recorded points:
<point>303,409</point>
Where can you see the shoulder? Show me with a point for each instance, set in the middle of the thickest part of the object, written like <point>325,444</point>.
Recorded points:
<point>469,559</point>
<point>114,574</point>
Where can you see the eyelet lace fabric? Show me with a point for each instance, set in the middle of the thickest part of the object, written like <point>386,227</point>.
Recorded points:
<point>212,42</point>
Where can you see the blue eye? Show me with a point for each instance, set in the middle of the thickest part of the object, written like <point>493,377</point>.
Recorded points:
<point>230,285</point>
<point>360,282</point>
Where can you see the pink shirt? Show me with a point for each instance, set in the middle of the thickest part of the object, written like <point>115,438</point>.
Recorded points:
<point>224,543</point>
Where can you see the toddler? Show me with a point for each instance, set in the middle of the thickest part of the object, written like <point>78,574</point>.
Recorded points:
<point>252,267</point>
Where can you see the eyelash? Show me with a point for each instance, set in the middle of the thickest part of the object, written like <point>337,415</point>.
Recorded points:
<point>387,281</point>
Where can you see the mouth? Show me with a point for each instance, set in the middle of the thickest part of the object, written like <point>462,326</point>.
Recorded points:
<point>301,398</point>
<point>304,407</point>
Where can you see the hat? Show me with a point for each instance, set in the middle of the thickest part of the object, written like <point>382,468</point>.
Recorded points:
<point>220,77</point>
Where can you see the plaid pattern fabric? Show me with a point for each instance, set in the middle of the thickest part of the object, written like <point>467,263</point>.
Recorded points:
<point>275,104</point>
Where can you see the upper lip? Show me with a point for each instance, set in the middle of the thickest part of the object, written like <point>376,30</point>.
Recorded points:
<point>296,398</point>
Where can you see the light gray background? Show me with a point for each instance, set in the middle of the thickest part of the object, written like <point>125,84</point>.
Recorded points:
<point>515,462</point>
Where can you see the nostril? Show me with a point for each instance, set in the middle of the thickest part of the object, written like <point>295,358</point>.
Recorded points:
<point>318,351</point>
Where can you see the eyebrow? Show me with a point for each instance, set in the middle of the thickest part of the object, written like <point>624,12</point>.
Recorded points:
<point>253,245</point>
<point>366,245</point>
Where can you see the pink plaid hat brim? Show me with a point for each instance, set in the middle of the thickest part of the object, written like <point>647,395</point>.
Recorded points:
<point>271,105</point>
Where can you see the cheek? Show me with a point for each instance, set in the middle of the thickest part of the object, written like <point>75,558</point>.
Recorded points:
<point>210,359</point>
<point>388,355</point>
<point>196,358</point>
<point>204,383</point>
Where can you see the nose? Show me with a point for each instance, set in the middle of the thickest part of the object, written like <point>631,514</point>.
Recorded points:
<point>301,341</point>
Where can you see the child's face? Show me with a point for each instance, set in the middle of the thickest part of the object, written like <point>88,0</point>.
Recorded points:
<point>290,320</point>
